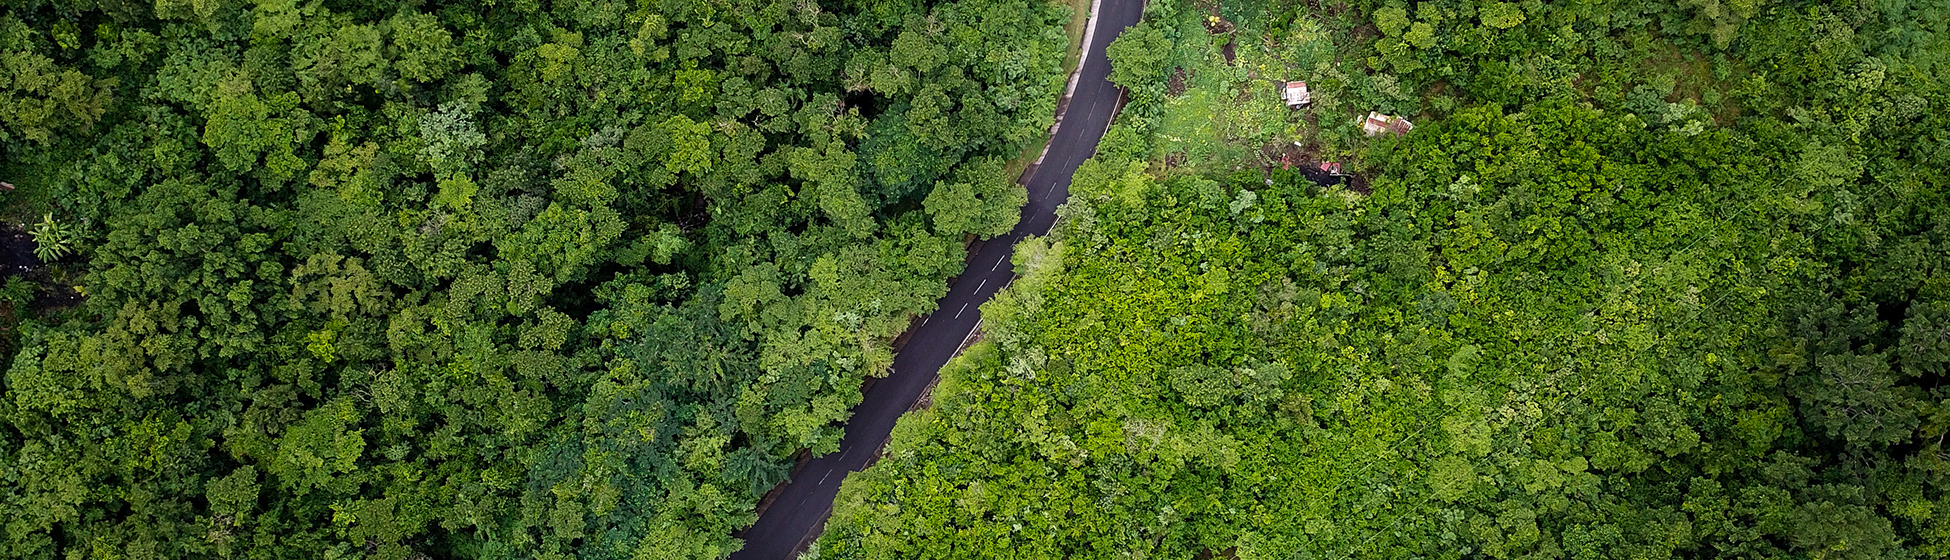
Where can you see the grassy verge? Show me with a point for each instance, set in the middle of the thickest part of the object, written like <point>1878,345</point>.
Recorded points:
<point>1079,18</point>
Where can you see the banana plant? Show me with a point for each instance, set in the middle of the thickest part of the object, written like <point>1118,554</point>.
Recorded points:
<point>53,240</point>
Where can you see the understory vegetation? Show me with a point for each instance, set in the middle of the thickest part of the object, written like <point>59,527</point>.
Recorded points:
<point>528,279</point>
<point>1647,280</point>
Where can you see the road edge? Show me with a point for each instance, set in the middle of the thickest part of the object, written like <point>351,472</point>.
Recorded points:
<point>1062,107</point>
<point>1070,87</point>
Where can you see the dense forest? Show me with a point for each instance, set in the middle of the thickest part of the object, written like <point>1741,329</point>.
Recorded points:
<point>582,278</point>
<point>542,279</point>
<point>1646,280</point>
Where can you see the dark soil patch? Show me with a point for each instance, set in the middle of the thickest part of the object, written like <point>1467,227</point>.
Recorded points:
<point>1359,184</point>
<point>698,215</point>
<point>1364,33</point>
<point>1176,85</point>
<point>17,260</point>
<point>1174,159</point>
<point>1319,177</point>
<point>1230,52</point>
<point>1216,25</point>
<point>1272,152</point>
<point>1694,75</point>
<point>1305,161</point>
<point>16,251</point>
<point>1438,87</point>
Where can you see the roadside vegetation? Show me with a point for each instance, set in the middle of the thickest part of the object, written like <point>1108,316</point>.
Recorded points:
<point>1647,280</point>
<point>529,279</point>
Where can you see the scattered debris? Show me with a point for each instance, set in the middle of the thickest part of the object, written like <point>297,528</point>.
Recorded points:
<point>1295,94</point>
<point>1377,123</point>
<point>1308,162</point>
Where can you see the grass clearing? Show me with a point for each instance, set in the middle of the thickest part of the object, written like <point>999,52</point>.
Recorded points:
<point>1229,112</point>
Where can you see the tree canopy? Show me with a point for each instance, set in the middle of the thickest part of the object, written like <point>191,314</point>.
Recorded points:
<point>1626,291</point>
<point>536,279</point>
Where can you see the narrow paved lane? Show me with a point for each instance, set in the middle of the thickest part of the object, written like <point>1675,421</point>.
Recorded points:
<point>800,511</point>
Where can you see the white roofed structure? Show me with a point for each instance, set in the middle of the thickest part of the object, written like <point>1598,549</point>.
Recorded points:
<point>1295,94</point>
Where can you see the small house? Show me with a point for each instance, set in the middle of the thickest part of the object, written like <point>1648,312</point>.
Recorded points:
<point>1295,94</point>
<point>1377,123</point>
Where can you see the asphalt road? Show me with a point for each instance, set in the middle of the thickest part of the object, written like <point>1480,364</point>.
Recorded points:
<point>799,512</point>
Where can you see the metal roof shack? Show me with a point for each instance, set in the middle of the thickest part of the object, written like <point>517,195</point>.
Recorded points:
<point>1295,94</point>
<point>1377,123</point>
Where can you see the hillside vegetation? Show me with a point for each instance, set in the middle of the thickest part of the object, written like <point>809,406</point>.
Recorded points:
<point>1647,280</point>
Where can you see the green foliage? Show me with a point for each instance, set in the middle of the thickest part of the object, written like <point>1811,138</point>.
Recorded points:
<point>1542,357</point>
<point>985,205</point>
<point>1620,296</point>
<point>1421,35</point>
<point>1139,59</point>
<point>1500,15</point>
<point>1391,20</point>
<point>39,95</point>
<point>457,280</point>
<point>53,240</point>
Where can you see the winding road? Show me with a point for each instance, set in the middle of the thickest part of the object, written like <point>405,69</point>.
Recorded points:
<point>797,514</point>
